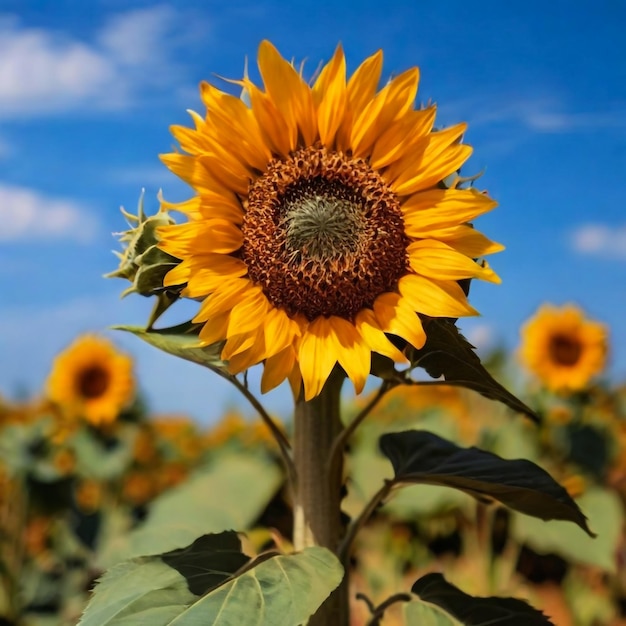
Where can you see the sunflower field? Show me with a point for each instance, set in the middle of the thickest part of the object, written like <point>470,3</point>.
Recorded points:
<point>329,241</point>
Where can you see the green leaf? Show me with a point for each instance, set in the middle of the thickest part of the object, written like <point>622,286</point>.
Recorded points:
<point>182,341</point>
<point>606,518</point>
<point>208,561</point>
<point>419,457</point>
<point>447,353</point>
<point>230,493</point>
<point>282,590</point>
<point>273,591</point>
<point>474,611</point>
<point>142,591</point>
<point>96,459</point>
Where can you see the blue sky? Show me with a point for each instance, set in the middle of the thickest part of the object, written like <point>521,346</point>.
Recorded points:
<point>88,90</point>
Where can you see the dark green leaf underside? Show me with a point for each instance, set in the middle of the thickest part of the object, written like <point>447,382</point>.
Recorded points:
<point>420,457</point>
<point>448,354</point>
<point>472,611</point>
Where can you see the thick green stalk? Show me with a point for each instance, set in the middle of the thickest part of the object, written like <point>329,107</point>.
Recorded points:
<point>317,498</point>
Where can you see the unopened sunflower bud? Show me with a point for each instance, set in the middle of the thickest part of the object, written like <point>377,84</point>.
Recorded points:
<point>141,262</point>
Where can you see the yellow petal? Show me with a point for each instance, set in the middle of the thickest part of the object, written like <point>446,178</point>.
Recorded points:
<point>467,240</point>
<point>361,88</point>
<point>329,95</point>
<point>178,275</point>
<point>201,237</point>
<point>213,330</point>
<point>369,328</point>
<point>223,299</point>
<point>254,355</point>
<point>240,121</point>
<point>363,83</point>
<point>435,259</point>
<point>352,351</point>
<point>397,318</point>
<point>435,298</point>
<point>191,171</point>
<point>440,208</point>
<point>237,344</point>
<point>249,311</point>
<point>232,173</point>
<point>442,155</point>
<point>391,103</point>
<point>325,342</point>
<point>208,272</point>
<point>273,126</point>
<point>316,356</point>
<point>190,207</point>
<point>277,368</point>
<point>225,208</point>
<point>291,95</point>
<point>402,137</point>
<point>280,330</point>
<point>190,140</point>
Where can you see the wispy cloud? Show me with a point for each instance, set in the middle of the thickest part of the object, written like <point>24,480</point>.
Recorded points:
<point>481,335</point>
<point>45,71</point>
<point>600,240</point>
<point>26,214</point>
<point>545,113</point>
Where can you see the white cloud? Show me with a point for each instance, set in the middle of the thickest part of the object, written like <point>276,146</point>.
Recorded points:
<point>44,71</point>
<point>600,240</point>
<point>481,335</point>
<point>26,214</point>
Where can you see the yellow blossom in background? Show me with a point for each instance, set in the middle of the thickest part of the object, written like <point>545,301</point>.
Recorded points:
<point>320,228</point>
<point>88,495</point>
<point>138,488</point>
<point>575,485</point>
<point>91,380</point>
<point>563,348</point>
<point>231,425</point>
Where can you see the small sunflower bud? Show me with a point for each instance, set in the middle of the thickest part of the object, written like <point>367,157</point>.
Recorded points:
<point>141,262</point>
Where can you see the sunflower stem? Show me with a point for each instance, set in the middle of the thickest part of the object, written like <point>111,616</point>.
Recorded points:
<point>317,498</point>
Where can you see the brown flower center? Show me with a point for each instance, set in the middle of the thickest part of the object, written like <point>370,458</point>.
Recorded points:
<point>565,350</point>
<point>323,234</point>
<point>92,382</point>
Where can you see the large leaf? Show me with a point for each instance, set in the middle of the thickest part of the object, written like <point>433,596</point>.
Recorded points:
<point>275,591</point>
<point>419,457</point>
<point>231,493</point>
<point>280,591</point>
<point>606,517</point>
<point>182,341</point>
<point>208,561</point>
<point>141,591</point>
<point>472,611</point>
<point>448,354</point>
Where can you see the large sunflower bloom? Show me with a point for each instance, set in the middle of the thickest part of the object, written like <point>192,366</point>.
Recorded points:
<point>91,380</point>
<point>563,348</point>
<point>320,228</point>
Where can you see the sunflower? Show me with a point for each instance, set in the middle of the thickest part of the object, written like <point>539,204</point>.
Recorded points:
<point>91,380</point>
<point>562,348</point>
<point>321,227</point>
